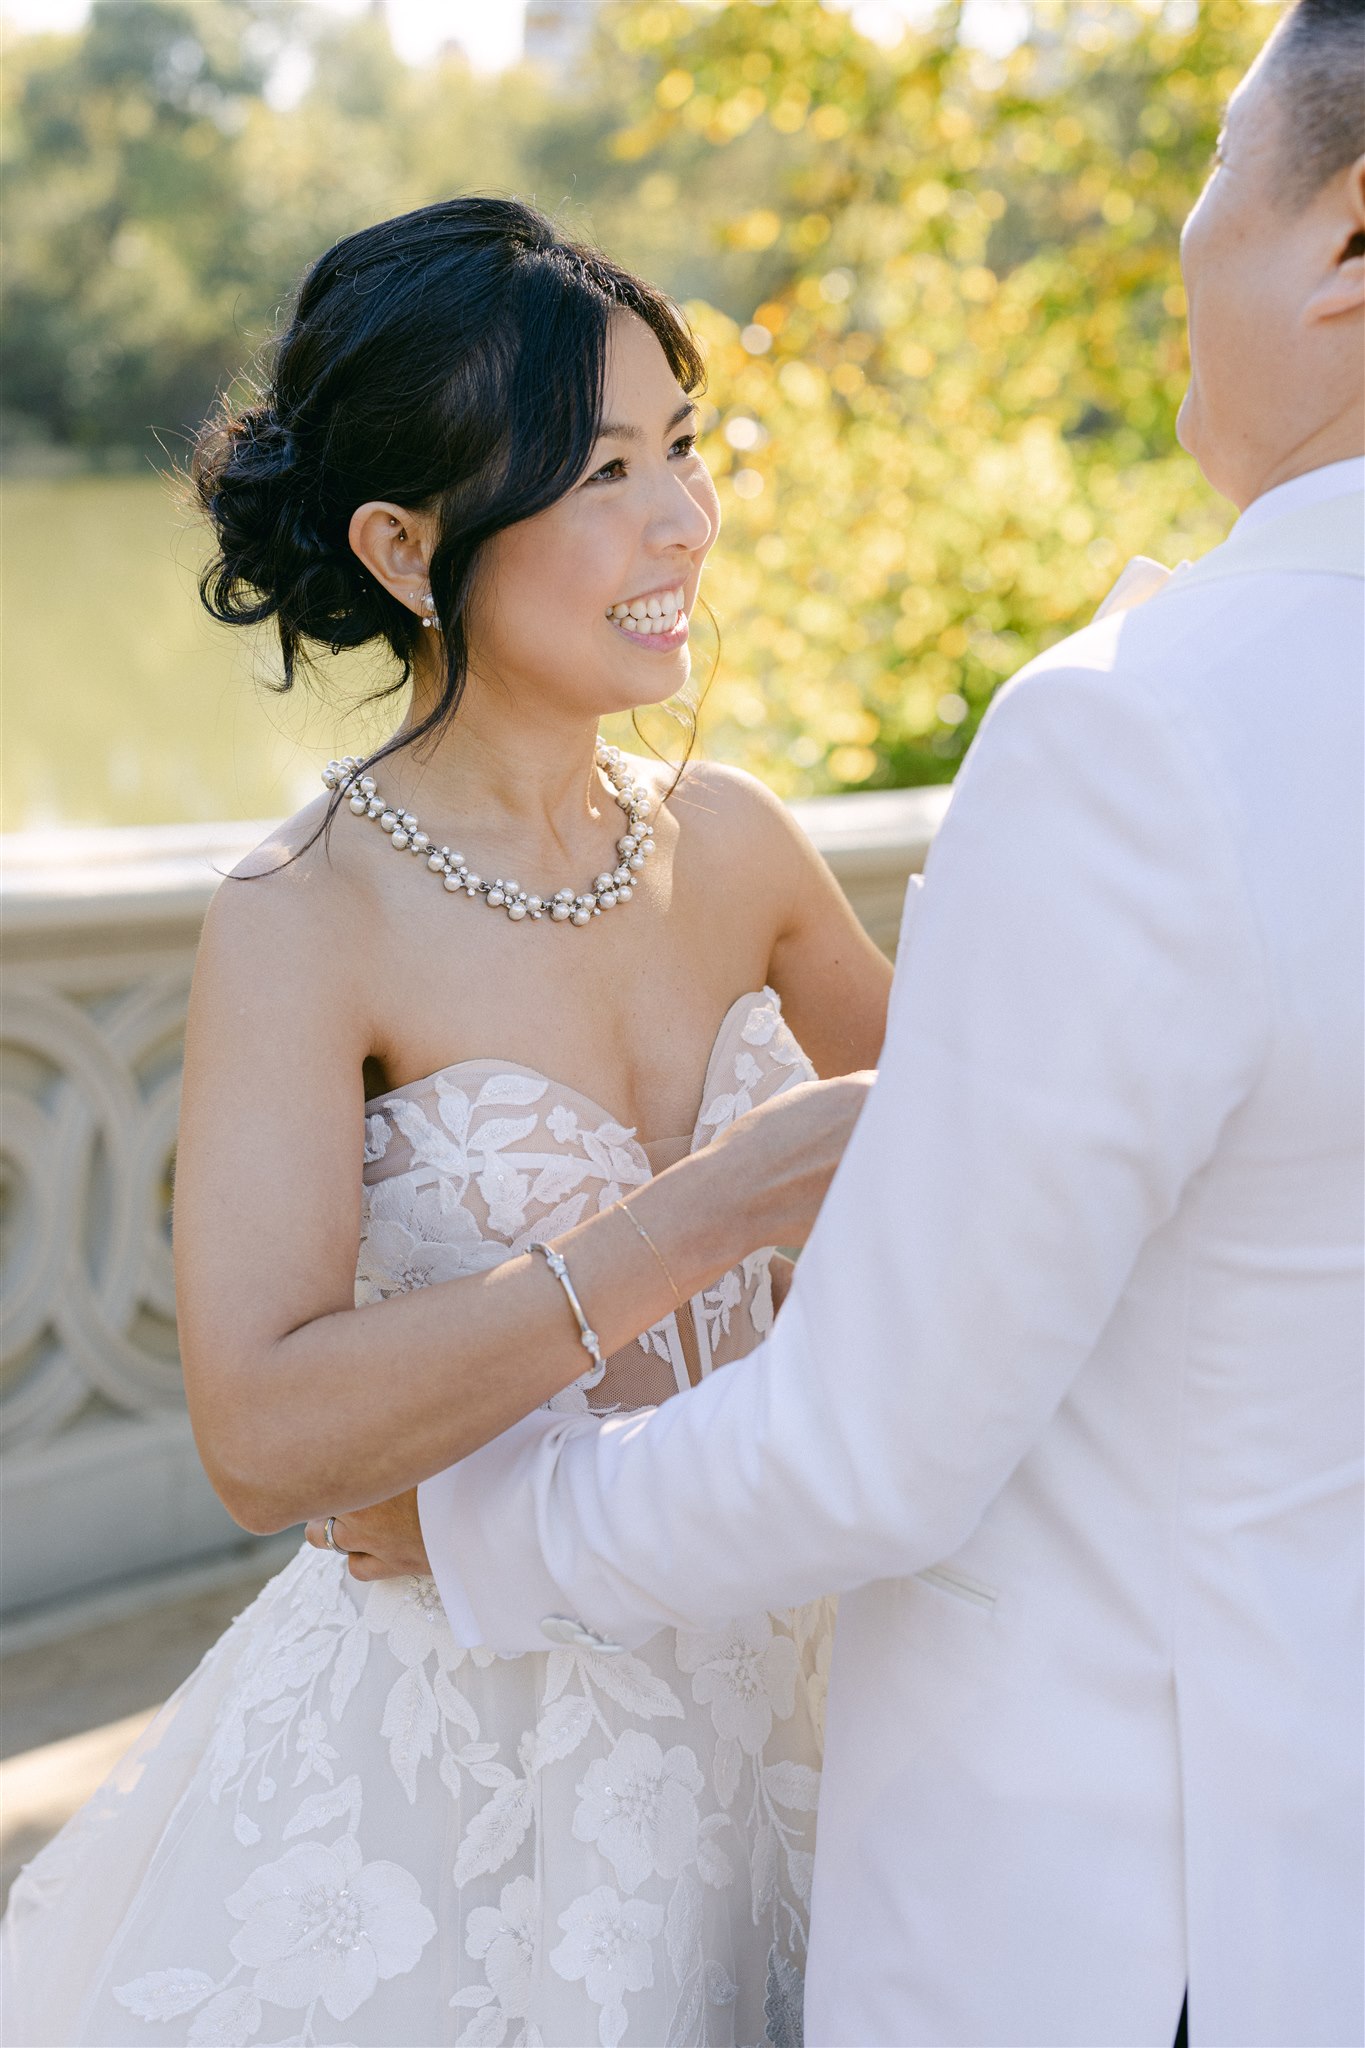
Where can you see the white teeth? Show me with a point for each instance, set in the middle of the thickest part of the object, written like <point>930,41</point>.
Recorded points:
<point>663,625</point>
<point>646,610</point>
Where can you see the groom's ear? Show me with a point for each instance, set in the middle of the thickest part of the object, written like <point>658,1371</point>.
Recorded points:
<point>1342,290</point>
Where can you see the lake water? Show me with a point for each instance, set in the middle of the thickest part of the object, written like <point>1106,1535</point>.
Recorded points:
<point>123,703</point>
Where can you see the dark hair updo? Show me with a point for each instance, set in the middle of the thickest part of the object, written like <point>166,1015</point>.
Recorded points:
<point>451,360</point>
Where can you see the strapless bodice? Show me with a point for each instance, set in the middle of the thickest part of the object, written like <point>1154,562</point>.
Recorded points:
<point>467,1167</point>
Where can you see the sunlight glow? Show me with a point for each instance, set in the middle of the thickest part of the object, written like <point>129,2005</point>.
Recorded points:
<point>490,31</point>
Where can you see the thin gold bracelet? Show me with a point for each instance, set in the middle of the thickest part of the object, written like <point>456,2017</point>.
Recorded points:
<point>674,1288</point>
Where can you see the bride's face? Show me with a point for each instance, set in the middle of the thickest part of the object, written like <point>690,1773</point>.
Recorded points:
<point>588,604</point>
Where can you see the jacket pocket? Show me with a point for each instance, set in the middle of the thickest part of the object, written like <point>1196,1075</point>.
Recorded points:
<point>946,1578</point>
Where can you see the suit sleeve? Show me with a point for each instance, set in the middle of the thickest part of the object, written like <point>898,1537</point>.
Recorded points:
<point>1079,1007</point>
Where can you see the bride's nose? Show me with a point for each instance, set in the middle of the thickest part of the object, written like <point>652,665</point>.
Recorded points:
<point>680,517</point>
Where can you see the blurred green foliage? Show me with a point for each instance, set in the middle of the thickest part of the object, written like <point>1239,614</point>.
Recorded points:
<point>940,294</point>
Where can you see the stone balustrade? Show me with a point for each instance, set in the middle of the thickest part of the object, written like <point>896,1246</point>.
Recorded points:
<point>101,1480</point>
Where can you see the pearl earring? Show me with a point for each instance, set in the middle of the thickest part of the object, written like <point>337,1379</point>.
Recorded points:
<point>429,606</point>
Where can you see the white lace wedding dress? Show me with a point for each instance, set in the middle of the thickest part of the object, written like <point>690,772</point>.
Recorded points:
<point>344,1830</point>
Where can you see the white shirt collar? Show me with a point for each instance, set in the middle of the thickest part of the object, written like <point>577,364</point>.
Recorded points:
<point>1314,487</point>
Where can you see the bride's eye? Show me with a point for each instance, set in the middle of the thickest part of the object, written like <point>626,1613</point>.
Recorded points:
<point>609,472</point>
<point>686,444</point>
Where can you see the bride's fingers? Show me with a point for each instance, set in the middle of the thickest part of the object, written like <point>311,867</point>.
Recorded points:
<point>363,1564</point>
<point>316,1534</point>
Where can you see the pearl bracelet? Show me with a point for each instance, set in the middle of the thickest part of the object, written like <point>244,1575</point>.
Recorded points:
<point>587,1336</point>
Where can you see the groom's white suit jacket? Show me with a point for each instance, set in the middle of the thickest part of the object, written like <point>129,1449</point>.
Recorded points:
<point>1066,1399</point>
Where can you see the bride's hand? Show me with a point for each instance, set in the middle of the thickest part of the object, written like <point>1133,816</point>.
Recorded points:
<point>784,1153</point>
<point>382,1542</point>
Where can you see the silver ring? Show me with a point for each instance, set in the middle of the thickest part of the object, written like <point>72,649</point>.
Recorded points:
<point>329,1538</point>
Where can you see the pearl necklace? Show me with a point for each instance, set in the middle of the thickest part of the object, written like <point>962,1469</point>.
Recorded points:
<point>564,907</point>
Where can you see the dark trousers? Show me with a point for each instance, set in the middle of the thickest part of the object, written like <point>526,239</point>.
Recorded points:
<point>1182,2032</point>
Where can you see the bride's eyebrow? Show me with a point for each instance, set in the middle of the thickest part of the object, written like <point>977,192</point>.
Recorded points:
<point>615,430</point>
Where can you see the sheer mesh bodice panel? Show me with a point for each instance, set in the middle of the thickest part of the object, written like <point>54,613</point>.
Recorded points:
<point>469,1166</point>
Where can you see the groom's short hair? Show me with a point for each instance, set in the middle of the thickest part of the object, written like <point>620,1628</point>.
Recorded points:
<point>1317,62</point>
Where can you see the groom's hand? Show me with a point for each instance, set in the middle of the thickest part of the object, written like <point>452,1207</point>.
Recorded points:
<point>382,1542</point>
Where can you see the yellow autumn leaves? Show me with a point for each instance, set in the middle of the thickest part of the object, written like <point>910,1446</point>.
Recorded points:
<point>951,420</point>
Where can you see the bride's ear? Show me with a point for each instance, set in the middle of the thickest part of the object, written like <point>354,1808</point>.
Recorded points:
<point>396,546</point>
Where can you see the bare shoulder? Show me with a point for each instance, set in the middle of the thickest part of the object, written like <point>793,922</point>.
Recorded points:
<point>731,792</point>
<point>298,881</point>
<point>745,817</point>
<point>287,924</point>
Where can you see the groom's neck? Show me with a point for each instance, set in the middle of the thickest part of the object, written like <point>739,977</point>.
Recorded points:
<point>1337,442</point>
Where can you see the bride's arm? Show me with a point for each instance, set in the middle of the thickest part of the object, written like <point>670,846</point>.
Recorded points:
<point>833,981</point>
<point>303,1404</point>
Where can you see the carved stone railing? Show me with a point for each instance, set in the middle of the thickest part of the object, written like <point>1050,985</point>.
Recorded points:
<point>100,1478</point>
